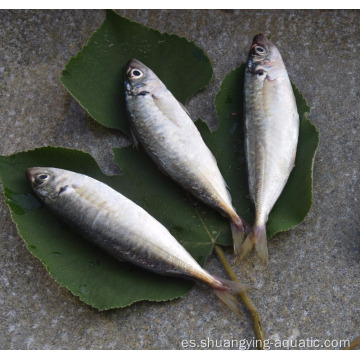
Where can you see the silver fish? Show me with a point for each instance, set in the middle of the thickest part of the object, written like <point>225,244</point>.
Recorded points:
<point>122,228</point>
<point>272,130</point>
<point>163,127</point>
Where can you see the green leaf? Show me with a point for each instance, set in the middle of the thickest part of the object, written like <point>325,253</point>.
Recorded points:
<point>227,144</point>
<point>98,279</point>
<point>95,77</point>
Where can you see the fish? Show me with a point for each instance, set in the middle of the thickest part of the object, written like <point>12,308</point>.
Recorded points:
<point>271,136</point>
<point>122,228</point>
<point>169,136</point>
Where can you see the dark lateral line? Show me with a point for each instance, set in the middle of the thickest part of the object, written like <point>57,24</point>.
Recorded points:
<point>143,93</point>
<point>62,189</point>
<point>256,72</point>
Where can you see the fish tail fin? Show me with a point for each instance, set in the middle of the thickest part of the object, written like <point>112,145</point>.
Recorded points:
<point>238,232</point>
<point>225,291</point>
<point>261,244</point>
<point>229,300</point>
<point>256,238</point>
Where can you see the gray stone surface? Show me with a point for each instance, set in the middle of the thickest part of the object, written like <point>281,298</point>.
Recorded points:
<point>311,288</point>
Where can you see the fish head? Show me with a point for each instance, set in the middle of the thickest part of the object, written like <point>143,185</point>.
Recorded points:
<point>264,57</point>
<point>46,182</point>
<point>141,80</point>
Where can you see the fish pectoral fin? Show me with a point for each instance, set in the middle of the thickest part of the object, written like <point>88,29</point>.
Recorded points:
<point>184,108</point>
<point>172,109</point>
<point>134,139</point>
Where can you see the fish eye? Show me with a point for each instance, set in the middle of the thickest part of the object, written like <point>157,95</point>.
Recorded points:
<point>258,50</point>
<point>136,73</point>
<point>41,178</point>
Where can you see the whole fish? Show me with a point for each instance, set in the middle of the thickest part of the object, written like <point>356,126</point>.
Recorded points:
<point>122,228</point>
<point>164,128</point>
<point>272,130</point>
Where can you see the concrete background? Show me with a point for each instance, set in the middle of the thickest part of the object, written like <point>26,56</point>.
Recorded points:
<point>311,288</point>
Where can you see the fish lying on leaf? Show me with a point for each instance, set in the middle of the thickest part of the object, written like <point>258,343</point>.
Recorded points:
<point>122,228</point>
<point>272,129</point>
<point>163,126</point>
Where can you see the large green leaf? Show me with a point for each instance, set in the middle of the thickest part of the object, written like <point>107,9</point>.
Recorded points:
<point>227,144</point>
<point>94,276</point>
<point>95,77</point>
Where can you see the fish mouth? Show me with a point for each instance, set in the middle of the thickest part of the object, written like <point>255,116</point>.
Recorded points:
<point>30,174</point>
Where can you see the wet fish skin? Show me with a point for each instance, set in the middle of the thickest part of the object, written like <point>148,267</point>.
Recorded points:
<point>119,226</point>
<point>163,127</point>
<point>272,129</point>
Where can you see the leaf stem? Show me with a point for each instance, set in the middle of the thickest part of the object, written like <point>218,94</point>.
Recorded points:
<point>250,307</point>
<point>353,345</point>
<point>259,335</point>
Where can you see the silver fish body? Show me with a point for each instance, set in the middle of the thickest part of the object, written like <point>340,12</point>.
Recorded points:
<point>167,133</point>
<point>272,129</point>
<point>118,225</point>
